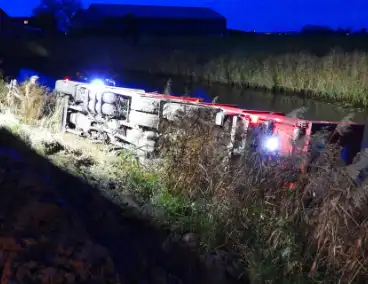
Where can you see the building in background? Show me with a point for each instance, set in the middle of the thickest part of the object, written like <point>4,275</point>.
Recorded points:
<point>148,20</point>
<point>16,26</point>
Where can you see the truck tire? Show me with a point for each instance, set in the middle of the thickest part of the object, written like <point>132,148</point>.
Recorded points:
<point>149,120</point>
<point>148,105</point>
<point>109,98</point>
<point>109,109</point>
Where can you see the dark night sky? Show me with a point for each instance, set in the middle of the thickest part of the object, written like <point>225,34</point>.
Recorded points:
<point>261,15</point>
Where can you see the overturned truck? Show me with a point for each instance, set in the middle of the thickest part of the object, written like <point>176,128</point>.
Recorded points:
<point>133,119</point>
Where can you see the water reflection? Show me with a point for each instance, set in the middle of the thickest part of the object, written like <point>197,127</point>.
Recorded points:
<point>316,110</point>
<point>202,94</point>
<point>265,101</point>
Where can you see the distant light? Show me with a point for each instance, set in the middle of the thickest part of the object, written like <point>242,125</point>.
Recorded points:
<point>67,79</point>
<point>25,22</point>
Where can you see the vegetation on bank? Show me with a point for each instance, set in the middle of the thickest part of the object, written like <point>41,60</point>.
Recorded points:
<point>337,76</point>
<point>327,67</point>
<point>334,69</point>
<point>315,232</point>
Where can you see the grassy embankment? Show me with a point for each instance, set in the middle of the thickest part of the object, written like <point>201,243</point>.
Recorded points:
<point>271,233</point>
<point>286,63</point>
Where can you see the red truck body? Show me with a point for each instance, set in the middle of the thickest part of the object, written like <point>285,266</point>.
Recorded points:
<point>284,127</point>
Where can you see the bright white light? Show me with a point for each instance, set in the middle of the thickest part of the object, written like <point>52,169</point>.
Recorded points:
<point>272,143</point>
<point>97,84</point>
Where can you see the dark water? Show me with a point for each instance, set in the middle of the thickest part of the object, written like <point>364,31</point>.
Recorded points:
<point>316,110</point>
<point>249,99</point>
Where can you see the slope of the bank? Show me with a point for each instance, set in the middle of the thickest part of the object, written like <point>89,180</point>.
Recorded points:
<point>250,216</point>
<point>68,214</point>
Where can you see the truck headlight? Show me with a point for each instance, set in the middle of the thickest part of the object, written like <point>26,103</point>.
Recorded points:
<point>271,144</point>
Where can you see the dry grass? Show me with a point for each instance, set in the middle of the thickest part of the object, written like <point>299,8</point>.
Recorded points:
<point>284,235</point>
<point>314,233</point>
<point>337,76</point>
<point>32,103</point>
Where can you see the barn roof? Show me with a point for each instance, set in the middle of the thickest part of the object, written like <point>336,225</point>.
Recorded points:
<point>2,12</point>
<point>146,11</point>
